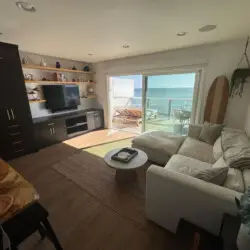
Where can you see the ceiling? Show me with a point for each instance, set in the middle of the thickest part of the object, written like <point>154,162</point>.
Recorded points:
<point>74,28</point>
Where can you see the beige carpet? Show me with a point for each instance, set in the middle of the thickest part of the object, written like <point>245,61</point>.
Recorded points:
<point>92,174</point>
<point>102,150</point>
<point>98,137</point>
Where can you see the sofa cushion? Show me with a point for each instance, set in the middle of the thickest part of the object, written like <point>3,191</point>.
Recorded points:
<point>210,132</point>
<point>234,180</point>
<point>236,149</point>
<point>158,144</point>
<point>194,130</point>
<point>217,149</point>
<point>220,163</point>
<point>197,150</point>
<point>214,175</point>
<point>155,155</point>
<point>246,178</point>
<point>186,165</point>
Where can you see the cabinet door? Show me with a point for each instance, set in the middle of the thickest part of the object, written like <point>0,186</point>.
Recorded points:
<point>43,135</point>
<point>59,131</point>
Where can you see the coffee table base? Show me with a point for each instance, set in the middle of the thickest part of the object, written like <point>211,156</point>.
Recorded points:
<point>125,175</point>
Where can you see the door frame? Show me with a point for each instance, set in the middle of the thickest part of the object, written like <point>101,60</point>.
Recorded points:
<point>174,71</point>
<point>109,93</point>
<point>193,68</point>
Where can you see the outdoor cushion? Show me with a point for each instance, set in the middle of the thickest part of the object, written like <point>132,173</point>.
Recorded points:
<point>197,150</point>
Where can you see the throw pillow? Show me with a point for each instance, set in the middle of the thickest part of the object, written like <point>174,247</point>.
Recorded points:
<point>210,132</point>
<point>217,149</point>
<point>194,130</point>
<point>215,175</point>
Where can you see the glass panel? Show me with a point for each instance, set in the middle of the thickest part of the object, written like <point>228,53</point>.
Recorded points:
<point>126,103</point>
<point>169,102</point>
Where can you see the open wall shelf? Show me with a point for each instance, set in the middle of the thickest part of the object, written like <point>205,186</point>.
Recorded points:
<point>33,101</point>
<point>55,82</point>
<point>29,66</point>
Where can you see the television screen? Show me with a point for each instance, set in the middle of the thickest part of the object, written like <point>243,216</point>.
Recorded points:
<point>61,97</point>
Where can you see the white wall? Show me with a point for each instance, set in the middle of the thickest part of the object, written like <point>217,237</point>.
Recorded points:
<point>38,109</point>
<point>216,59</point>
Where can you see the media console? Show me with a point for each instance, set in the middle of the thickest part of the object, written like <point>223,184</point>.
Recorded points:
<point>59,127</point>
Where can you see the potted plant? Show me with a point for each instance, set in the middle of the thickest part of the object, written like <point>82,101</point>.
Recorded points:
<point>243,241</point>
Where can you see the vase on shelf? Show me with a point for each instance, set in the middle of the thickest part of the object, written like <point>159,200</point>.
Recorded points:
<point>43,63</point>
<point>58,65</point>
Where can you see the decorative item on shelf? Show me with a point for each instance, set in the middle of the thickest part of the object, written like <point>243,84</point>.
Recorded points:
<point>60,77</point>
<point>45,79</point>
<point>74,67</point>
<point>33,93</point>
<point>86,68</point>
<point>28,77</point>
<point>73,79</point>
<point>58,65</point>
<point>43,63</point>
<point>90,90</point>
<point>26,60</point>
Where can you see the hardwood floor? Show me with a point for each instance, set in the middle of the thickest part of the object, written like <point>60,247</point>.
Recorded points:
<point>83,220</point>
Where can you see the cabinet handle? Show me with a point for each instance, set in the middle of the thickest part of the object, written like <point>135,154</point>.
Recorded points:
<point>14,126</point>
<point>20,150</point>
<point>51,124</point>
<point>14,134</point>
<point>8,114</point>
<point>50,129</point>
<point>17,142</point>
<point>54,131</point>
<point>12,112</point>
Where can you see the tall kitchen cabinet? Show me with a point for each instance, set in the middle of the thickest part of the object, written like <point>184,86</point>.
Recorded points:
<point>16,128</point>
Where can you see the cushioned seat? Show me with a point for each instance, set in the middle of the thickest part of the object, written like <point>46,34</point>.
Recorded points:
<point>197,149</point>
<point>186,165</point>
<point>158,145</point>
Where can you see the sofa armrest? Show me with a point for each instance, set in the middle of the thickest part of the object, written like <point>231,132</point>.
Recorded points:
<point>194,130</point>
<point>171,196</point>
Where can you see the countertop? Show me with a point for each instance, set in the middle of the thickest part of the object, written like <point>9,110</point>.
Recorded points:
<point>62,115</point>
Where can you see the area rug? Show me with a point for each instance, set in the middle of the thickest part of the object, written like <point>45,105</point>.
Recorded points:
<point>102,150</point>
<point>98,138</point>
<point>91,173</point>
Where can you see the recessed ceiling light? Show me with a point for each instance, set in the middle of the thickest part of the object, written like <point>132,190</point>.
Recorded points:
<point>90,54</point>
<point>183,33</point>
<point>125,46</point>
<point>207,28</point>
<point>26,6</point>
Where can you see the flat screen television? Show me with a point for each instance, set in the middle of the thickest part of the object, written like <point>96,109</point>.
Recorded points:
<point>61,97</point>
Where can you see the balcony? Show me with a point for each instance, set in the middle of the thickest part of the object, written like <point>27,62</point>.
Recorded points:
<point>168,114</point>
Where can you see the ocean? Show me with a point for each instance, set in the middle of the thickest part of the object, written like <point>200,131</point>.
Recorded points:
<point>157,98</point>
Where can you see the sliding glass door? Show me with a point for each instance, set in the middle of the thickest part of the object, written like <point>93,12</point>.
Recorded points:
<point>168,102</point>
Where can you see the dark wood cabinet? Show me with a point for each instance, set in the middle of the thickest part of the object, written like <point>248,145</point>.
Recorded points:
<point>50,132</point>
<point>16,128</point>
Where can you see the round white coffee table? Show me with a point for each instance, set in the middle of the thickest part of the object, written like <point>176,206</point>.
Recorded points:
<point>126,171</point>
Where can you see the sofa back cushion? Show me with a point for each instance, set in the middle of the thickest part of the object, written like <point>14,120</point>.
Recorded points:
<point>194,131</point>
<point>214,175</point>
<point>217,149</point>
<point>197,150</point>
<point>210,132</point>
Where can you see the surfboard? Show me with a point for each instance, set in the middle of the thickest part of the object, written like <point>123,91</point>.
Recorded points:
<point>216,102</point>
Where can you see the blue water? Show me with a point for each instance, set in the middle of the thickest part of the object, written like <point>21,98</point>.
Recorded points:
<point>162,105</point>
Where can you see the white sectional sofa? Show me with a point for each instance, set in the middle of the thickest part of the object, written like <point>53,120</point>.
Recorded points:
<point>172,194</point>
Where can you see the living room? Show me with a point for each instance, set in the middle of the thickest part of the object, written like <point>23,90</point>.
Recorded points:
<point>61,163</point>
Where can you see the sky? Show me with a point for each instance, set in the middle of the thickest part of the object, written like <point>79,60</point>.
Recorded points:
<point>164,81</point>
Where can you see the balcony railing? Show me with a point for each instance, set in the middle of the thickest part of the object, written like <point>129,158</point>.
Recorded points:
<point>161,105</point>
